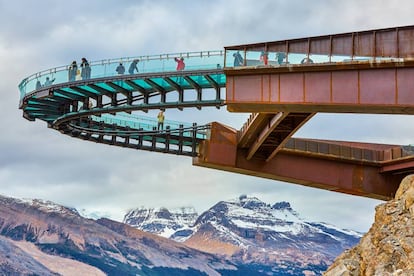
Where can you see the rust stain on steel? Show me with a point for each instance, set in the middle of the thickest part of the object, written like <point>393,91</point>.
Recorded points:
<point>358,178</point>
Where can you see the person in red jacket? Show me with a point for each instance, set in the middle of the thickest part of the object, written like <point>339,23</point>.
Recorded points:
<point>180,63</point>
<point>264,57</point>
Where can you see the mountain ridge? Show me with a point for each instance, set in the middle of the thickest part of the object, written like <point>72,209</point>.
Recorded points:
<point>248,230</point>
<point>111,247</point>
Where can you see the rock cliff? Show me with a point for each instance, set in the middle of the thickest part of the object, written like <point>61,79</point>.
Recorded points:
<point>388,247</point>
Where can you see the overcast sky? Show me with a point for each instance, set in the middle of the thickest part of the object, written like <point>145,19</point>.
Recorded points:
<point>38,162</point>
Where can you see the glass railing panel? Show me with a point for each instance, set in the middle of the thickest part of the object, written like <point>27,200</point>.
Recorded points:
<point>146,123</point>
<point>261,58</point>
<point>203,62</point>
<point>106,68</point>
<point>341,58</point>
<point>297,58</point>
<point>253,58</point>
<point>319,58</point>
<point>234,58</point>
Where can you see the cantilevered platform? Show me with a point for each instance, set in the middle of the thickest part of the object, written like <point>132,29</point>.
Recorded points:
<point>282,83</point>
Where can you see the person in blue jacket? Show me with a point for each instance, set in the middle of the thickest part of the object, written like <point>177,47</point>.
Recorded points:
<point>133,67</point>
<point>238,59</point>
<point>120,69</point>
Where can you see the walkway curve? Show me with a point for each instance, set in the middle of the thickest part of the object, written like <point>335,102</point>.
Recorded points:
<point>81,108</point>
<point>69,106</point>
<point>378,65</point>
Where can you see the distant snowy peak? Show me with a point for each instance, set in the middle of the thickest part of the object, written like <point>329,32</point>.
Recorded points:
<point>254,203</point>
<point>48,206</point>
<point>145,215</point>
<point>162,221</point>
<point>251,211</point>
<point>247,229</point>
<point>247,202</point>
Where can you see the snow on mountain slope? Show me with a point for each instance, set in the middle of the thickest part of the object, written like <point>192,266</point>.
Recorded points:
<point>248,230</point>
<point>61,234</point>
<point>175,224</point>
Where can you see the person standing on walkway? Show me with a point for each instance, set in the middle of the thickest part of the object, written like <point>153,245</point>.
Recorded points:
<point>238,59</point>
<point>86,69</point>
<point>73,70</point>
<point>48,81</point>
<point>133,67</point>
<point>160,118</point>
<point>264,57</point>
<point>180,63</point>
<point>120,69</point>
<point>280,57</point>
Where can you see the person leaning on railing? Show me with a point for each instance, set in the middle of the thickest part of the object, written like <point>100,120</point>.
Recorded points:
<point>48,81</point>
<point>133,67</point>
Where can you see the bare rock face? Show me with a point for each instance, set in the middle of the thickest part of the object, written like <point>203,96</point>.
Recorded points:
<point>388,247</point>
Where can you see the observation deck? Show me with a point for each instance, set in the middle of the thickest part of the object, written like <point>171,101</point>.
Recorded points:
<point>283,84</point>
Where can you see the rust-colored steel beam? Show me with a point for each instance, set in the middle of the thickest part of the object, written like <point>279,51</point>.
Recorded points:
<point>251,128</point>
<point>351,168</point>
<point>382,84</point>
<point>264,134</point>
<point>389,42</point>
<point>272,137</point>
<point>358,88</point>
<point>272,123</point>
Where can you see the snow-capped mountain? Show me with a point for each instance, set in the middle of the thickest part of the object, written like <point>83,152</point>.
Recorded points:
<point>174,224</point>
<point>248,222</point>
<point>40,237</point>
<point>250,231</point>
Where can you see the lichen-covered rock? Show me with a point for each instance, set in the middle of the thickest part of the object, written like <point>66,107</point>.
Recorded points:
<point>388,247</point>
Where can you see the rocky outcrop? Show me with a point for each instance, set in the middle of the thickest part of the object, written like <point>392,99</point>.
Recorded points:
<point>388,247</point>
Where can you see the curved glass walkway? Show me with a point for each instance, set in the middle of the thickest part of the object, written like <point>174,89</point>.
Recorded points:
<point>96,102</point>
<point>98,106</point>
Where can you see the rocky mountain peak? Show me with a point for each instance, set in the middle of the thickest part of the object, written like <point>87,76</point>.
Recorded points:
<point>282,205</point>
<point>162,221</point>
<point>42,238</point>
<point>39,204</point>
<point>248,209</point>
<point>250,202</point>
<point>388,247</point>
